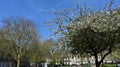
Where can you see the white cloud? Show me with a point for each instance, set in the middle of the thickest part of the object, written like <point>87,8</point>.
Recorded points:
<point>44,10</point>
<point>61,3</point>
<point>51,9</point>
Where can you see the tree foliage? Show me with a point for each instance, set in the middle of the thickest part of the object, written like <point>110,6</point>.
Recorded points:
<point>17,34</point>
<point>91,32</point>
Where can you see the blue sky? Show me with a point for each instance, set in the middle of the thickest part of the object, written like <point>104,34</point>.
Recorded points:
<point>40,11</point>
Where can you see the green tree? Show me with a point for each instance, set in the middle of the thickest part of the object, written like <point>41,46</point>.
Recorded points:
<point>91,32</point>
<point>53,51</point>
<point>35,55</point>
<point>17,34</point>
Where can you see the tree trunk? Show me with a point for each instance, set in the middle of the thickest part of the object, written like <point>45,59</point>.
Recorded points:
<point>18,60</point>
<point>97,63</point>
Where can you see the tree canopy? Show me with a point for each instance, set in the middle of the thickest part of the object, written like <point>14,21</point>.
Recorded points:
<point>90,32</point>
<point>17,34</point>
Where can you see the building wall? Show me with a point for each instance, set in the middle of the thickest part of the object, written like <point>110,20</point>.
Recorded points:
<point>77,60</point>
<point>5,64</point>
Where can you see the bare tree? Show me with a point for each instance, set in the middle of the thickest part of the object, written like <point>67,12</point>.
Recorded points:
<point>18,34</point>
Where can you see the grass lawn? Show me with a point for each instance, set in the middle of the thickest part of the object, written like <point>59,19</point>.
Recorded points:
<point>69,66</point>
<point>104,65</point>
<point>85,65</point>
<point>108,65</point>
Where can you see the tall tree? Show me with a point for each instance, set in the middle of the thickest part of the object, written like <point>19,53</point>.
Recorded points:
<point>36,54</point>
<point>18,34</point>
<point>53,50</point>
<point>90,32</point>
